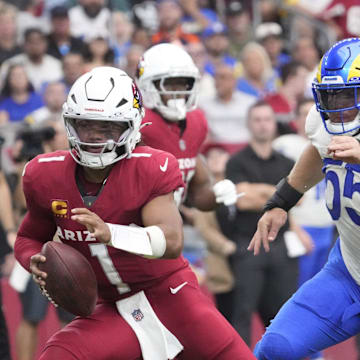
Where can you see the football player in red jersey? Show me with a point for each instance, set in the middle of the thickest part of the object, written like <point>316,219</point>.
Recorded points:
<point>168,80</point>
<point>111,198</point>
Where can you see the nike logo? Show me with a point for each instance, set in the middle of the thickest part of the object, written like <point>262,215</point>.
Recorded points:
<point>178,288</point>
<point>164,167</point>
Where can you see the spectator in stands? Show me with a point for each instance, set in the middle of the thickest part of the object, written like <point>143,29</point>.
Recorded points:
<point>258,77</point>
<point>144,15</point>
<point>226,112</point>
<point>7,232</point>
<point>59,141</point>
<point>141,37</point>
<point>285,101</point>
<point>97,52</point>
<point>54,98</point>
<point>219,278</point>
<point>238,21</point>
<point>270,36</point>
<point>8,39</point>
<point>73,67</point>
<point>29,17</point>
<point>40,67</point>
<point>90,19</point>
<point>170,30</point>
<point>60,41</point>
<point>262,283</point>
<point>198,15</point>
<point>207,83</point>
<point>343,17</point>
<point>308,54</point>
<point>130,65</point>
<point>18,96</point>
<point>121,31</point>
<point>217,46</point>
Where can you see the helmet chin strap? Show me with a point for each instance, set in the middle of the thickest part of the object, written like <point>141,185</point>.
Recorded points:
<point>355,124</point>
<point>97,161</point>
<point>174,110</point>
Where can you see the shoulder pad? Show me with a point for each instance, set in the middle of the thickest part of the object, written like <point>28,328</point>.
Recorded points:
<point>316,132</point>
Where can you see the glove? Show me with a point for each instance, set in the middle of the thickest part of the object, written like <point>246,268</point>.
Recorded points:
<point>225,192</point>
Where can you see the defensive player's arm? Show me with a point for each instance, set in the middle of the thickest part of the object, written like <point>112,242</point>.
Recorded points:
<point>306,173</point>
<point>208,227</point>
<point>256,195</point>
<point>200,191</point>
<point>163,213</point>
<point>6,211</point>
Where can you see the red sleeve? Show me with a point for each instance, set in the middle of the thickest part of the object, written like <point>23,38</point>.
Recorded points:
<point>38,225</point>
<point>334,9</point>
<point>167,175</point>
<point>26,246</point>
<point>204,125</point>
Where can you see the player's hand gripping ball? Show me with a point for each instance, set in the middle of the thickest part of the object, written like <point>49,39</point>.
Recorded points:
<point>71,281</point>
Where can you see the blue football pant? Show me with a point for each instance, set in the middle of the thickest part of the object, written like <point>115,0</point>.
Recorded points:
<point>311,264</point>
<point>323,312</point>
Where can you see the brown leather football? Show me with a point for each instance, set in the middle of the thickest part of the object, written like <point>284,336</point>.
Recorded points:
<point>71,281</point>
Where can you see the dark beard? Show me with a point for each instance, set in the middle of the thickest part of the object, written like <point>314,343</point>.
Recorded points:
<point>92,11</point>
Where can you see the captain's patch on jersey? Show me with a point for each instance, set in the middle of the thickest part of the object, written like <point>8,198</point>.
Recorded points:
<point>60,208</point>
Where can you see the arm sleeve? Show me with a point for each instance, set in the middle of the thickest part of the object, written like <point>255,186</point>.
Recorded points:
<point>37,227</point>
<point>166,181</point>
<point>204,128</point>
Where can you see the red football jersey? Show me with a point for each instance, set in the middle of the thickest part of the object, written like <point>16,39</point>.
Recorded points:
<point>346,15</point>
<point>168,136</point>
<point>51,192</point>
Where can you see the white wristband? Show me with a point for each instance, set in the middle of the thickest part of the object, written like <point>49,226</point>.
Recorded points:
<point>149,241</point>
<point>157,240</point>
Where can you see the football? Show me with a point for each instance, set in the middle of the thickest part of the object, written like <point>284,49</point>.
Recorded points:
<point>71,281</point>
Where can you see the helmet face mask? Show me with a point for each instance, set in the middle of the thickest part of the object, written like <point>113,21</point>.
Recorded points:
<point>102,115</point>
<point>97,141</point>
<point>168,79</point>
<point>336,88</point>
<point>339,108</point>
<point>176,95</point>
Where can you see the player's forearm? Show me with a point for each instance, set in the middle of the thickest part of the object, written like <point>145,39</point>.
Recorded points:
<point>174,241</point>
<point>203,197</point>
<point>153,241</point>
<point>255,196</point>
<point>205,222</point>
<point>34,231</point>
<point>307,171</point>
<point>24,249</point>
<point>305,174</point>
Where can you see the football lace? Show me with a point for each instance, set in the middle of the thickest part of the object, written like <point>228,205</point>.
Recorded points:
<point>47,295</point>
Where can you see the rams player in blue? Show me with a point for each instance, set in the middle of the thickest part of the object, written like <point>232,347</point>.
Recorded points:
<point>326,309</point>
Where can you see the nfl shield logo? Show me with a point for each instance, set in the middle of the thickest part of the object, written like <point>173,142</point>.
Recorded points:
<point>182,145</point>
<point>137,315</point>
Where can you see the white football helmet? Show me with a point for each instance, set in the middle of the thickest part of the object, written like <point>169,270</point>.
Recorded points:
<point>162,62</point>
<point>104,94</point>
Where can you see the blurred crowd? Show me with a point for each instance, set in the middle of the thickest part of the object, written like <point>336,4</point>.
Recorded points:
<point>246,51</point>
